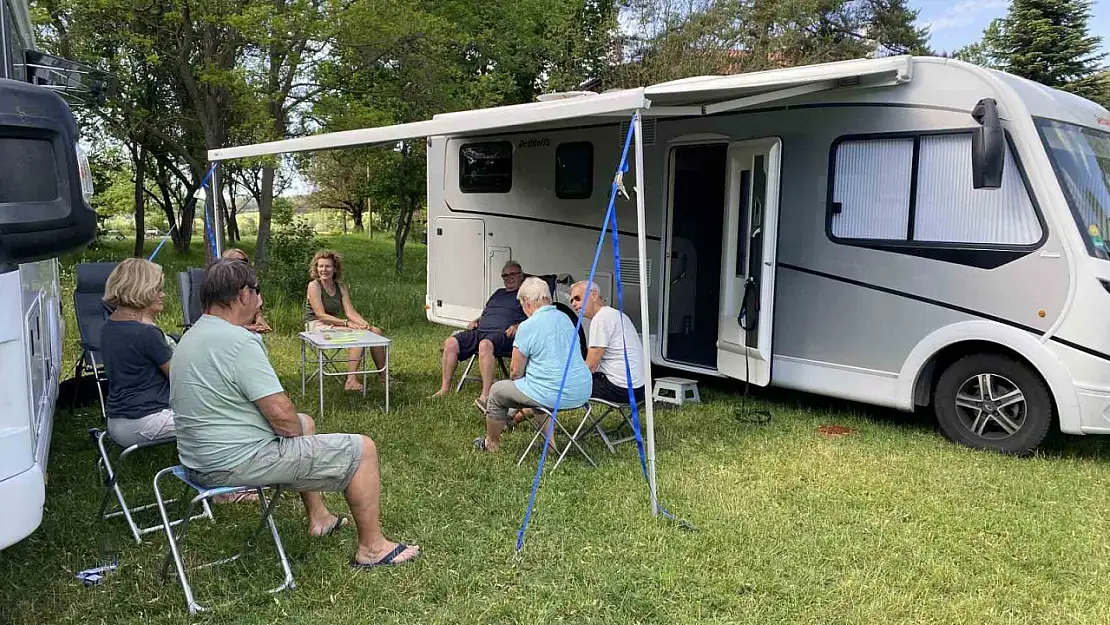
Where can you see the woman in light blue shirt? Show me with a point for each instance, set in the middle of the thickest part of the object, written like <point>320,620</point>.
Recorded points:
<point>540,351</point>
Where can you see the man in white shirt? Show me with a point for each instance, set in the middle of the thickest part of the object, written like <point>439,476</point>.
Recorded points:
<point>612,336</point>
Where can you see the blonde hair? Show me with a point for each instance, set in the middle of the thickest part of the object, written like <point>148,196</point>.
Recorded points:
<point>234,253</point>
<point>134,283</point>
<point>336,261</point>
<point>534,291</point>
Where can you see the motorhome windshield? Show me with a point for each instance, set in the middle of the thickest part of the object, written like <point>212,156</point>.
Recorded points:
<point>1081,158</point>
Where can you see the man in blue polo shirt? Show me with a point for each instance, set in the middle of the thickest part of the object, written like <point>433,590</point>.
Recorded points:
<point>489,336</point>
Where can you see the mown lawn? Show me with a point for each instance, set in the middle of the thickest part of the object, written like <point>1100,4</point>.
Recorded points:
<point>889,524</point>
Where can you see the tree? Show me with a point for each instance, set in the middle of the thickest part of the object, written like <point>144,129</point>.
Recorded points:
<point>736,36</point>
<point>342,182</point>
<point>1046,41</point>
<point>179,86</point>
<point>289,39</point>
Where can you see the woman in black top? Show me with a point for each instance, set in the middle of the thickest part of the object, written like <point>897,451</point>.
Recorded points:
<point>136,355</point>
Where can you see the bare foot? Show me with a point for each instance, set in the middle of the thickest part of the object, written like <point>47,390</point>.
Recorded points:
<point>327,525</point>
<point>440,393</point>
<point>379,555</point>
<point>353,385</point>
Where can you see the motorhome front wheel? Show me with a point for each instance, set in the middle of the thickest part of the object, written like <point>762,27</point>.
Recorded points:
<point>990,401</point>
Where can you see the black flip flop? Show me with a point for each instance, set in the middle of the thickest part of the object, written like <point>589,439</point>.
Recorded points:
<point>387,560</point>
<point>340,522</point>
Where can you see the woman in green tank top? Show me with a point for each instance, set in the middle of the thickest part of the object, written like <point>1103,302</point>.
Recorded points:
<point>328,306</point>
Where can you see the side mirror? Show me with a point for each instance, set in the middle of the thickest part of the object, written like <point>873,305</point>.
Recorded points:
<point>988,146</point>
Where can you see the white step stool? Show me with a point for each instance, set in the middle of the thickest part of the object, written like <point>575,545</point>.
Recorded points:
<point>676,391</point>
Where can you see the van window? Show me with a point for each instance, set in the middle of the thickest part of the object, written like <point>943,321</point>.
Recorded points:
<point>24,181</point>
<point>574,170</point>
<point>920,189</point>
<point>486,167</point>
<point>951,210</point>
<point>871,189</point>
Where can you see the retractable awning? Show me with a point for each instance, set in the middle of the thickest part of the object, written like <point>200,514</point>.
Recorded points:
<point>707,95</point>
<point>701,95</point>
<point>623,103</point>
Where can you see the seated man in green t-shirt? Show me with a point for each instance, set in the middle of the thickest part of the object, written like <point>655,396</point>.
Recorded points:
<point>237,427</point>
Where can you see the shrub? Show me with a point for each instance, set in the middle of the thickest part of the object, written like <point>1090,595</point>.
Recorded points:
<point>286,273</point>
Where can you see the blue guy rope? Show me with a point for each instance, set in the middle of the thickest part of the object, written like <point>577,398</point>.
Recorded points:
<point>610,218</point>
<point>623,167</point>
<point>207,230</point>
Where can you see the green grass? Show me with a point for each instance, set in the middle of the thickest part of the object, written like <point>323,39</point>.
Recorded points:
<point>891,524</point>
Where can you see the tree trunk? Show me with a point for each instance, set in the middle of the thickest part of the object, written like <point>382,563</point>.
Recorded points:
<point>357,215</point>
<point>401,234</point>
<point>232,211</point>
<point>265,210</point>
<point>140,198</point>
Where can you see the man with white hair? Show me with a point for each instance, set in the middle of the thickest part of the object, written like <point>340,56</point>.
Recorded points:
<point>540,352</point>
<point>612,337</point>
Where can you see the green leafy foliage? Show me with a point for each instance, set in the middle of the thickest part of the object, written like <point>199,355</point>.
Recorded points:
<point>286,274</point>
<point>1046,41</point>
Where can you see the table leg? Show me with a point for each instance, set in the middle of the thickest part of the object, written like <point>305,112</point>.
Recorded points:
<point>302,367</point>
<point>362,367</point>
<point>387,379</point>
<point>320,374</point>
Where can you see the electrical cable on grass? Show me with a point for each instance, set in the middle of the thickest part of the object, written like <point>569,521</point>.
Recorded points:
<point>745,414</point>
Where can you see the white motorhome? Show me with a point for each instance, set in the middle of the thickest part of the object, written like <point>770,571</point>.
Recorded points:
<point>838,202</point>
<point>45,184</point>
<point>900,231</point>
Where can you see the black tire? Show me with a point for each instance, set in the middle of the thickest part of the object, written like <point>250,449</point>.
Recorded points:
<point>1010,429</point>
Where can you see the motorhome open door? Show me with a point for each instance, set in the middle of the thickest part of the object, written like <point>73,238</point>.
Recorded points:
<point>748,260</point>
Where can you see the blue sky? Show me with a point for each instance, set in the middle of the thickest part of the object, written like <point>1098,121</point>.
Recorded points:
<point>956,23</point>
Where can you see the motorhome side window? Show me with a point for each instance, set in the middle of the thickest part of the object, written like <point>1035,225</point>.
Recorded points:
<point>486,167</point>
<point>574,170</point>
<point>920,189</point>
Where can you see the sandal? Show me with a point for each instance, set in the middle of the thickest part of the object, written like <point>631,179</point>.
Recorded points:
<point>386,560</point>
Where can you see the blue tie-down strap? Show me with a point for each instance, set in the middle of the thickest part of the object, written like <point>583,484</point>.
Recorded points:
<point>207,231</point>
<point>610,217</point>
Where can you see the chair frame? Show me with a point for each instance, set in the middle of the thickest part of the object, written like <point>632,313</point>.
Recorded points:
<point>470,363</point>
<point>573,440</point>
<point>624,411</point>
<point>202,496</point>
<point>110,477</point>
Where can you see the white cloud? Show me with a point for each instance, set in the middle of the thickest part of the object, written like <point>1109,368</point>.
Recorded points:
<point>964,13</point>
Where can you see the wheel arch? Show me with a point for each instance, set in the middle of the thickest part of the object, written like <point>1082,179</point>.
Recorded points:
<point>925,362</point>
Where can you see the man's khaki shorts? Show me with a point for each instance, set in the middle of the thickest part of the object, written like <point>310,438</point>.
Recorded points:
<point>317,463</point>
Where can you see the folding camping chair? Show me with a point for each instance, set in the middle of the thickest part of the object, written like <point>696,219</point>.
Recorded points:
<point>624,411</point>
<point>202,496</point>
<point>188,286</point>
<point>571,439</point>
<point>110,477</point>
<point>470,363</point>
<point>91,313</point>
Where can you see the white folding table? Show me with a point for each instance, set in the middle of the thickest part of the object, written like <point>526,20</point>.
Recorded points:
<point>331,357</point>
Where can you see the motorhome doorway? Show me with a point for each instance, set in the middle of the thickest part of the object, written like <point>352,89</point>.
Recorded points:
<point>699,175</point>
